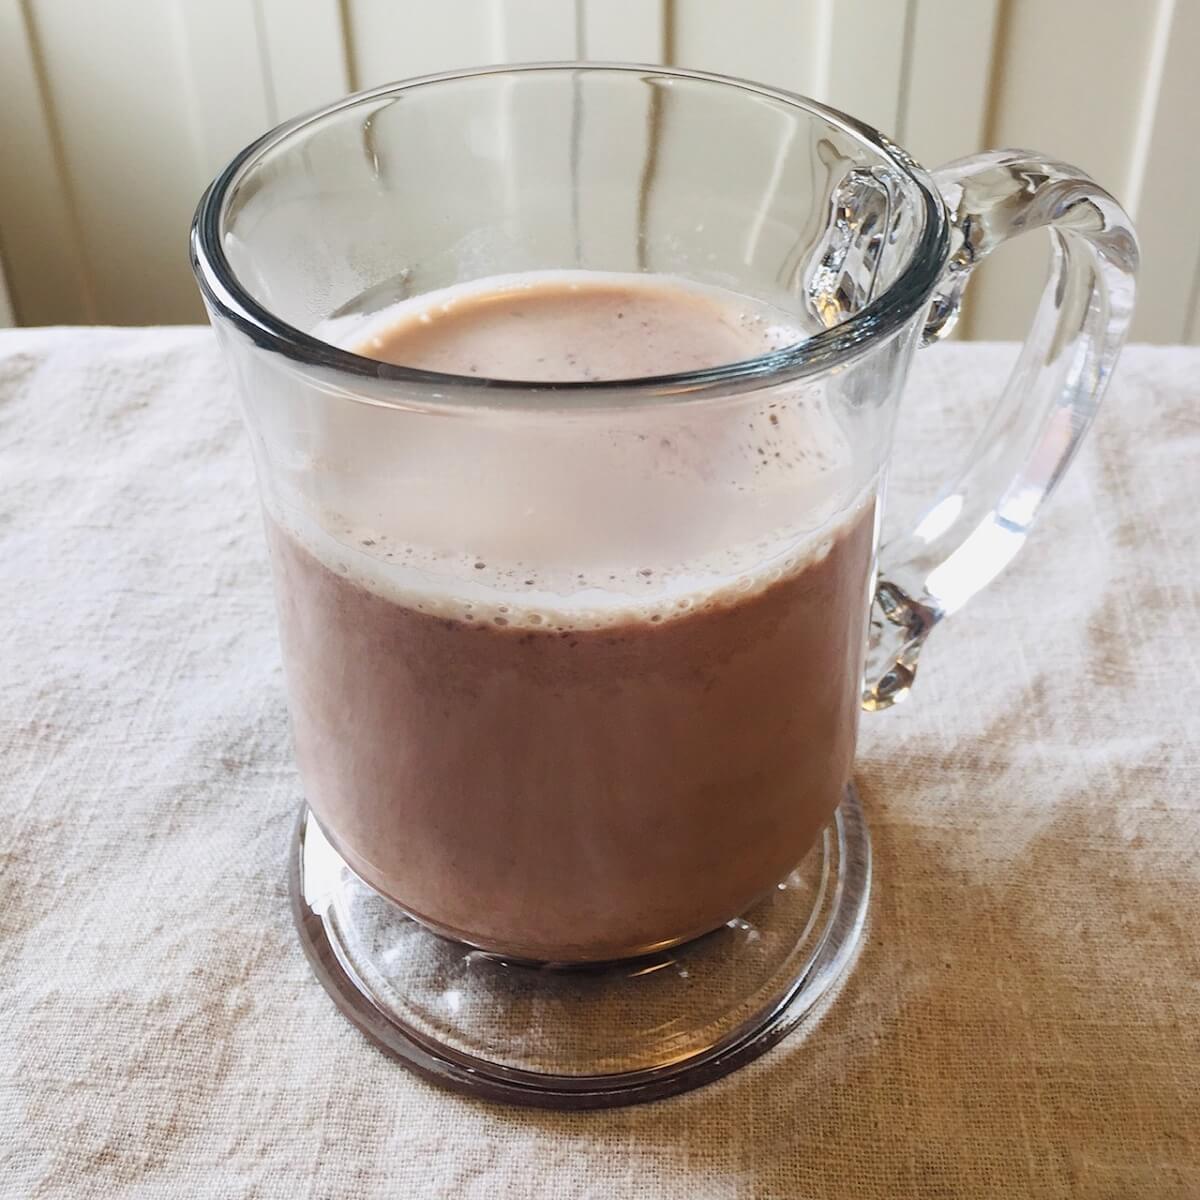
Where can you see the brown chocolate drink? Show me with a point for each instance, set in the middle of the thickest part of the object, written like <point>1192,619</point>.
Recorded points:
<point>560,781</point>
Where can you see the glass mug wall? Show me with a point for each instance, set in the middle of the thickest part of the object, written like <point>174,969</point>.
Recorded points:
<point>575,670</point>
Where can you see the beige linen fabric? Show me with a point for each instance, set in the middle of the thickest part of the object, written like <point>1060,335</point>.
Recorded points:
<point>1023,1021</point>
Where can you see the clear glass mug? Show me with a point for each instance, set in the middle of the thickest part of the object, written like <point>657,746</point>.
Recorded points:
<point>660,720</point>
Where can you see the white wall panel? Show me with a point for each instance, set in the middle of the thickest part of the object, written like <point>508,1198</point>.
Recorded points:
<point>114,114</point>
<point>7,317</point>
<point>623,30</point>
<point>394,39</point>
<point>781,42</point>
<point>220,52</point>
<point>113,72</point>
<point>1165,173</point>
<point>1068,82</point>
<point>534,30</point>
<point>304,53</point>
<point>947,78</point>
<point>46,273</point>
<point>865,60</point>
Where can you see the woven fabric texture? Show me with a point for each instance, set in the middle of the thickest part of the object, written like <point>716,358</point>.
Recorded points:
<point>1024,1018</point>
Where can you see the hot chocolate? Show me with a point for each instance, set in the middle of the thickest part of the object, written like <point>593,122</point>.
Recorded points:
<point>573,779</point>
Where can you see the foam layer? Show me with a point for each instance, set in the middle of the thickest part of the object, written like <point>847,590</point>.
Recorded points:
<point>575,520</point>
<point>464,588</point>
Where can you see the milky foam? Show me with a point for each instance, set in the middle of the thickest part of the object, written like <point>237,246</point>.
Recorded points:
<point>464,588</point>
<point>579,527</point>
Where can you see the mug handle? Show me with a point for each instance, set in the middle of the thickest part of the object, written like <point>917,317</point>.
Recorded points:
<point>981,519</point>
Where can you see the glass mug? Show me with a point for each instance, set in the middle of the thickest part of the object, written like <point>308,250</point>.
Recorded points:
<point>574,669</point>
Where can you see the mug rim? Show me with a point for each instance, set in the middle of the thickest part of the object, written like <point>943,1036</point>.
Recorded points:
<point>825,349</point>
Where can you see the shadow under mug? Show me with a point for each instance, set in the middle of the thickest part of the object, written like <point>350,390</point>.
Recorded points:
<point>566,789</point>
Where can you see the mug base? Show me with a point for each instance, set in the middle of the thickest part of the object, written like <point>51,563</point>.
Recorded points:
<point>597,1035</point>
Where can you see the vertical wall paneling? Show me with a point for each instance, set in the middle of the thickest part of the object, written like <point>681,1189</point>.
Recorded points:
<point>390,39</point>
<point>39,237</point>
<point>305,52</point>
<point>945,85</point>
<point>1068,82</point>
<point>947,78</point>
<point>534,30</point>
<point>221,46</point>
<point>126,129</point>
<point>114,115</point>
<point>7,318</point>
<point>1166,170</point>
<point>622,30</point>
<point>772,41</point>
<point>1192,334</point>
<point>864,68</point>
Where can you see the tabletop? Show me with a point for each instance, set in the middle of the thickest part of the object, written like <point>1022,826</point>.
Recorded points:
<point>1023,1019</point>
